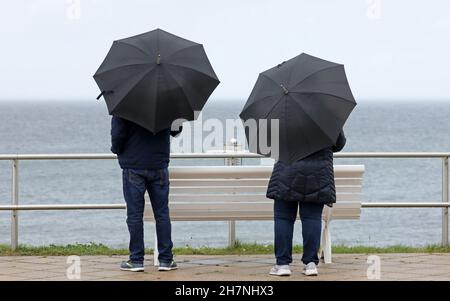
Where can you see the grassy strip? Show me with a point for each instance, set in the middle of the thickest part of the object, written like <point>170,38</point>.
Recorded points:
<point>238,249</point>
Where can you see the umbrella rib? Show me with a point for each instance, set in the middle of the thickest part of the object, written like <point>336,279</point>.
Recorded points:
<point>259,100</point>
<point>264,75</point>
<point>190,68</point>
<point>296,85</point>
<point>285,130</point>
<point>157,41</point>
<point>329,94</point>
<point>121,66</point>
<point>318,126</point>
<point>132,87</point>
<point>293,68</point>
<point>134,46</point>
<point>288,141</point>
<point>156,96</point>
<point>274,105</point>
<point>182,89</point>
<point>187,47</point>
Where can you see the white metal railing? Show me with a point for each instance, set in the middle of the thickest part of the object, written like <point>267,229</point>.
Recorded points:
<point>15,206</point>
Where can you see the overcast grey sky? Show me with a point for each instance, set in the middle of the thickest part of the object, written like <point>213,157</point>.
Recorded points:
<point>392,49</point>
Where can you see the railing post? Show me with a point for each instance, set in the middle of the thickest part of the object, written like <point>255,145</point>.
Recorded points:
<point>232,162</point>
<point>14,201</point>
<point>231,233</point>
<point>445,199</point>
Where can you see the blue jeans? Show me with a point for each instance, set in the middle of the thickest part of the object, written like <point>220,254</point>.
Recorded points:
<point>156,183</point>
<point>285,213</point>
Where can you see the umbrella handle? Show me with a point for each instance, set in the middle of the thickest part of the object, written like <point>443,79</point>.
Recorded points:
<point>104,93</point>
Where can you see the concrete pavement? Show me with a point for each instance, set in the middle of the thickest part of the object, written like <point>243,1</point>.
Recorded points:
<point>410,266</point>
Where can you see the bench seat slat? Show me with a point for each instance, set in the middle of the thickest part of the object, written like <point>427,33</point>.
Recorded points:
<point>247,171</point>
<point>189,198</point>
<point>244,189</point>
<point>246,182</point>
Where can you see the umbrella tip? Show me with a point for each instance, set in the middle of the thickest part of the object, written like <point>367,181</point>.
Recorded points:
<point>158,59</point>
<point>281,64</point>
<point>285,91</point>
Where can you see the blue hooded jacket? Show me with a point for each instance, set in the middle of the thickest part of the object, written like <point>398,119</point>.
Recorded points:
<point>138,148</point>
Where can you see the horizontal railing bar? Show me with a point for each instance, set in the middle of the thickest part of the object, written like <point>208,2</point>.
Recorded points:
<point>221,155</point>
<point>63,207</point>
<point>392,155</point>
<point>122,206</point>
<point>405,205</point>
<point>58,157</point>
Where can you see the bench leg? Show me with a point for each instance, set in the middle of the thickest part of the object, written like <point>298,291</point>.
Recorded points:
<point>322,243</point>
<point>325,241</point>
<point>155,250</point>
<point>325,246</point>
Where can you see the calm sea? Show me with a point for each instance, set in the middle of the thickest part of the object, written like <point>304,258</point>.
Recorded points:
<point>83,127</point>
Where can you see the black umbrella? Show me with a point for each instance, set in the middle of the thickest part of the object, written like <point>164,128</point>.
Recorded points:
<point>155,78</point>
<point>311,99</point>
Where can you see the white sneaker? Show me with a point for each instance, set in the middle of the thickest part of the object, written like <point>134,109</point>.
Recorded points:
<point>280,270</point>
<point>310,269</point>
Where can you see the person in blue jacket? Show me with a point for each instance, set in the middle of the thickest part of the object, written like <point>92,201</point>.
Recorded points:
<point>308,185</point>
<point>144,159</point>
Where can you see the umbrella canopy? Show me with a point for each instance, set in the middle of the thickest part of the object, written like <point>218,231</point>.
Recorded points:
<point>310,98</point>
<point>155,78</point>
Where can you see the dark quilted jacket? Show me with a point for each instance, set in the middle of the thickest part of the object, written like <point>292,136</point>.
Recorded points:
<point>310,179</point>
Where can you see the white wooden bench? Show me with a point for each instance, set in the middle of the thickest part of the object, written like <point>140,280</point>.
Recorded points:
<point>230,193</point>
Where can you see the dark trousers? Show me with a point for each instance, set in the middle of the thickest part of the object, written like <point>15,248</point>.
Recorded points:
<point>285,213</point>
<point>156,183</point>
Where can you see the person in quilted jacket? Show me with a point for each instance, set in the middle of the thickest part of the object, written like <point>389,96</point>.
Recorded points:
<point>307,185</point>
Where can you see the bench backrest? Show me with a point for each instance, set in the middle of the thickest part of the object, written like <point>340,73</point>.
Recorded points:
<point>238,193</point>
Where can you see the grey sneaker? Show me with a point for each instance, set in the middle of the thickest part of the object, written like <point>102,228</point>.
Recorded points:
<point>131,266</point>
<point>167,266</point>
<point>280,270</point>
<point>310,269</point>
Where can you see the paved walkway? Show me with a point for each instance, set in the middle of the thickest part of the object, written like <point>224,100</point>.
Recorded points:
<point>344,267</point>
